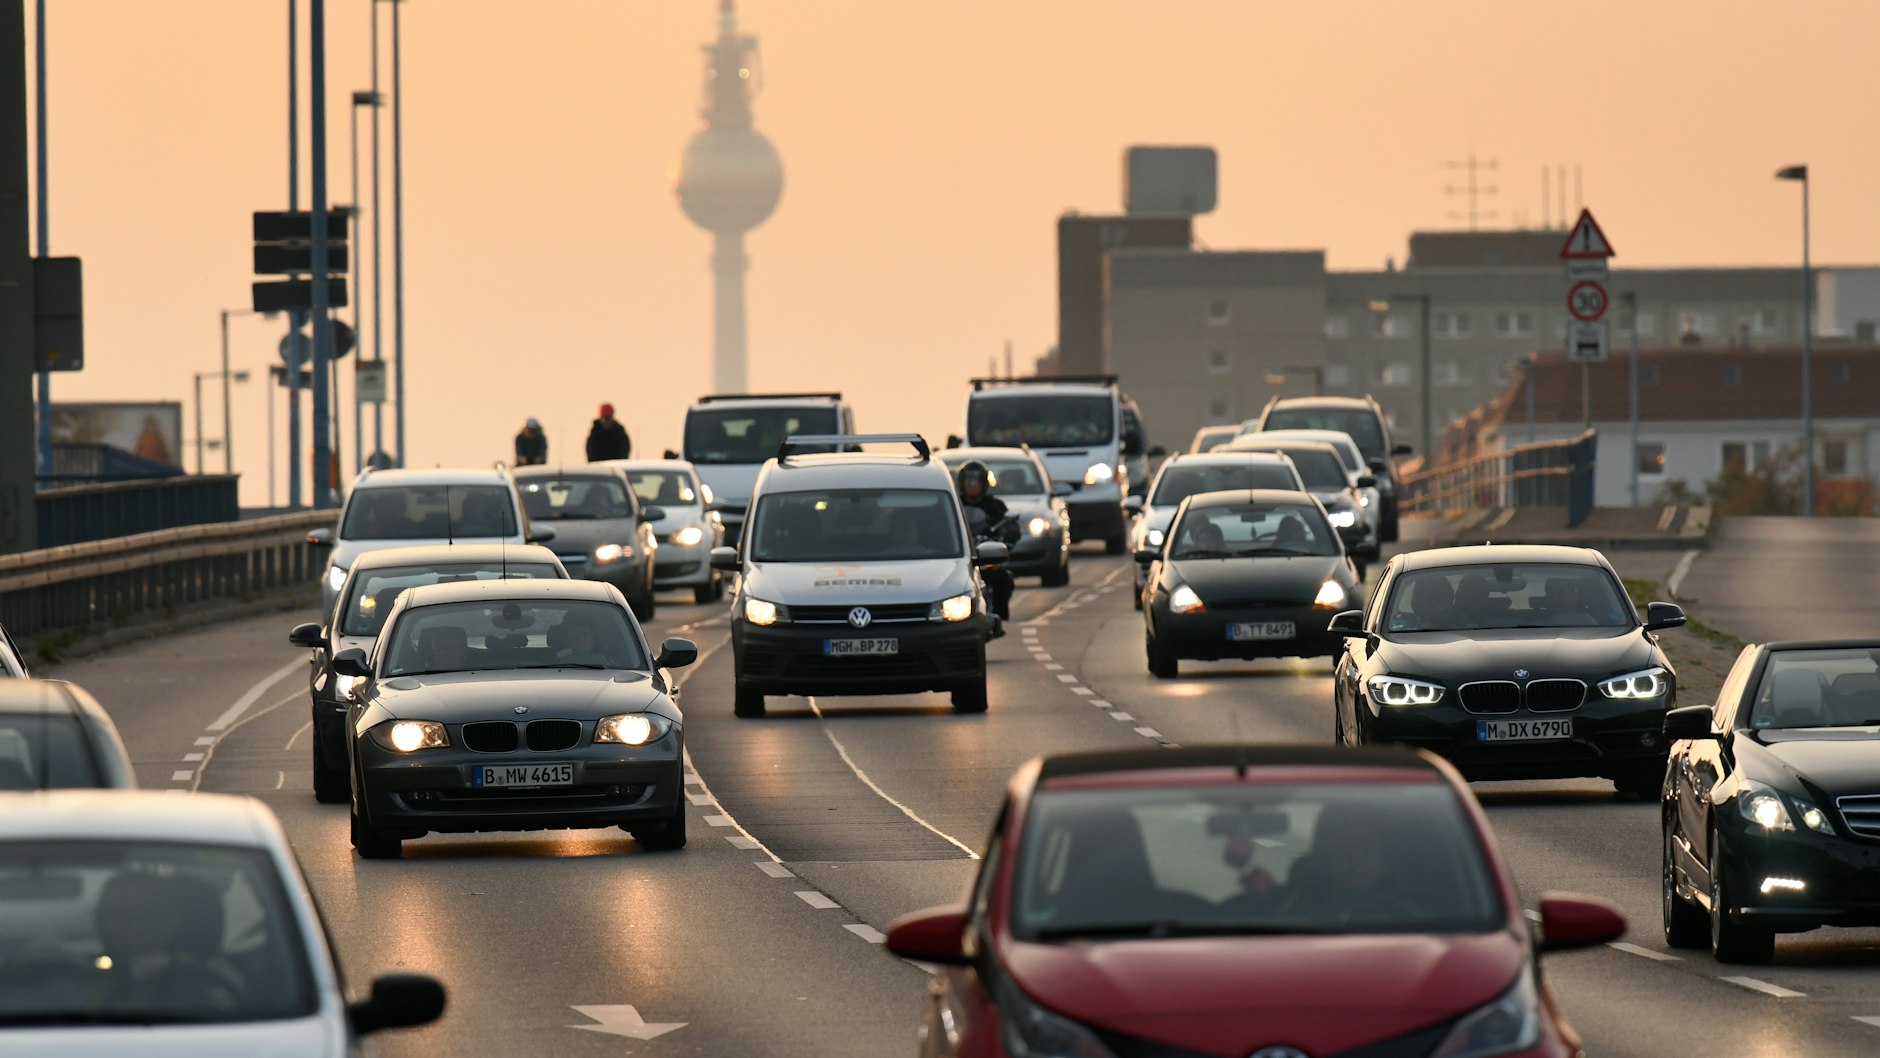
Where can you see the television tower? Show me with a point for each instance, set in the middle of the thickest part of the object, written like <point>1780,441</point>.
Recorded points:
<point>729,181</point>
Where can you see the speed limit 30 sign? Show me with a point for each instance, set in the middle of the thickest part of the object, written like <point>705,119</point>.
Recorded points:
<point>1586,300</point>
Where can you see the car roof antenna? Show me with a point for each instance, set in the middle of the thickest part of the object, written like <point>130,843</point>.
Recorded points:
<point>450,536</point>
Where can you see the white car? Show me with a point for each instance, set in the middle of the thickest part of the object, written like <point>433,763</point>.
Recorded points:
<point>690,529</point>
<point>1186,474</point>
<point>134,922</point>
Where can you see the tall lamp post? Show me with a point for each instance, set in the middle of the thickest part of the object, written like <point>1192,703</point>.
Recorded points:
<point>227,441</point>
<point>228,428</point>
<point>1425,416</point>
<point>1800,172</point>
<point>371,101</point>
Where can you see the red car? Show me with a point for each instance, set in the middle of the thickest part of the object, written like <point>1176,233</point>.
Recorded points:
<point>1244,902</point>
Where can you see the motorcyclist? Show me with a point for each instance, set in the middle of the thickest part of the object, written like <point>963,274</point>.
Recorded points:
<point>987,517</point>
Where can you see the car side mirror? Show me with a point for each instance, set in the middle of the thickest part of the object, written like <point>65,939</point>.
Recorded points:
<point>676,654</point>
<point>352,662</point>
<point>306,635</point>
<point>1347,623</point>
<point>1146,555</point>
<point>1132,504</point>
<point>652,514</point>
<point>725,558</point>
<point>936,935</point>
<point>991,553</point>
<point>1570,921</point>
<point>1157,451</point>
<point>1401,449</point>
<point>540,536</point>
<point>398,1001</point>
<point>320,537</point>
<point>1062,488</point>
<point>670,454</point>
<point>1690,722</point>
<point>1378,466</point>
<point>1367,481</point>
<point>1660,615</point>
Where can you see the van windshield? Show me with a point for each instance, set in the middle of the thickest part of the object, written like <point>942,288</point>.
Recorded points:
<point>849,525</point>
<point>751,435</point>
<point>1064,420</point>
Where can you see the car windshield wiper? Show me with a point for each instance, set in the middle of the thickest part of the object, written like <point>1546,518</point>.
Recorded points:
<point>1172,929</point>
<point>563,516</point>
<point>566,665</point>
<point>1275,551</point>
<point>1204,554</point>
<point>428,672</point>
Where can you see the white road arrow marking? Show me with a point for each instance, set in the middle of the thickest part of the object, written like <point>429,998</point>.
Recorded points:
<point>625,1021</point>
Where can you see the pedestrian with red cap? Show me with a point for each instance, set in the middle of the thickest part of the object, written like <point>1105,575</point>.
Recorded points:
<point>608,439</point>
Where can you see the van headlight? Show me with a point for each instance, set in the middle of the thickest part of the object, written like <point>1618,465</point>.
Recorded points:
<point>690,536</point>
<point>759,612</point>
<point>958,608</point>
<point>1509,1024</point>
<point>1645,683</point>
<point>1397,691</point>
<point>631,729</point>
<point>1038,526</point>
<point>1099,474</point>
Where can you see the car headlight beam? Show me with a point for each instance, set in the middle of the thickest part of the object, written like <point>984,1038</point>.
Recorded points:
<point>690,536</point>
<point>609,553</point>
<point>1343,518</point>
<point>1184,600</point>
<point>1099,474</point>
<point>958,608</point>
<point>410,736</point>
<point>1398,691</point>
<point>1038,525</point>
<point>1332,596</point>
<point>1155,538</point>
<point>631,729</point>
<point>1773,810</point>
<point>335,577</point>
<point>759,612</point>
<point>1634,686</point>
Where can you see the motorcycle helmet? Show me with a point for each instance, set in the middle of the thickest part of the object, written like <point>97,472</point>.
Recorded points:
<point>973,470</point>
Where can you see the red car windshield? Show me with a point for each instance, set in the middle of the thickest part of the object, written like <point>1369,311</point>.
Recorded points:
<point>1252,859</point>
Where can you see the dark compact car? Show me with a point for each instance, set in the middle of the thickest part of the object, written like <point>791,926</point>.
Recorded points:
<point>1513,662</point>
<point>1253,573</point>
<point>601,530</point>
<point>514,705</point>
<point>53,735</point>
<point>364,599</point>
<point>1272,901</point>
<point>1772,800</point>
<point>1364,420</point>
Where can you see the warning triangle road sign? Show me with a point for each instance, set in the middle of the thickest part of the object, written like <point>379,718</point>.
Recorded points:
<point>1586,240</point>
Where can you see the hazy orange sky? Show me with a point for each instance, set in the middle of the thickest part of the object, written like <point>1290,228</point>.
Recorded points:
<point>927,149</point>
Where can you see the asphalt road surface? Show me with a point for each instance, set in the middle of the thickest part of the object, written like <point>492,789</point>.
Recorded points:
<point>815,827</point>
<point>1766,579</point>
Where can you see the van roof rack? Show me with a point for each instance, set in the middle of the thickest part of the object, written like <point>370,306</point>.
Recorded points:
<point>1047,380</point>
<point>715,397</point>
<point>794,442</point>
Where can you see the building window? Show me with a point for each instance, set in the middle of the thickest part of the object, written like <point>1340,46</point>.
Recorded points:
<point>1648,374</point>
<point>1218,363</point>
<point>1217,312</point>
<point>1337,327</point>
<point>1864,331</point>
<point>1391,325</point>
<point>1743,457</point>
<point>1651,460</point>
<point>1337,376</point>
<point>1766,322</point>
<point>1834,457</point>
<point>1451,373</point>
<point>1394,374</point>
<point>1218,411</point>
<point>1449,324</point>
<point>1518,323</point>
<point>1732,374</point>
<point>1840,374</point>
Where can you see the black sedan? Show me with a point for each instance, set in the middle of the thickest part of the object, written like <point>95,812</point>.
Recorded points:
<point>514,705</point>
<point>1513,662</point>
<point>1253,573</point>
<point>1772,801</point>
<point>359,610</point>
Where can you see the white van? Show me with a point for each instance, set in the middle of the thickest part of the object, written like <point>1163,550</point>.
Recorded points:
<point>729,436</point>
<point>1076,423</point>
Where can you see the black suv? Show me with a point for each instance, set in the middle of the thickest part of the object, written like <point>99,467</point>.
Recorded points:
<point>1364,421</point>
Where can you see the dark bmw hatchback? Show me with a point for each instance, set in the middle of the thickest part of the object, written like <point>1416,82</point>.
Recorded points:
<point>1512,662</point>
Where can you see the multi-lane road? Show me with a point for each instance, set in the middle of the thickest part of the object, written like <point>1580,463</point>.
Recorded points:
<point>815,827</point>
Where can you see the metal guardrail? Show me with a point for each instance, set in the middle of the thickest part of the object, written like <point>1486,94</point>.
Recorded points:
<point>108,582</point>
<point>114,510</point>
<point>1545,474</point>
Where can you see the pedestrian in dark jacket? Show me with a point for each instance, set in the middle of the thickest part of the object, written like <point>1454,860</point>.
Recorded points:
<point>531,444</point>
<point>608,439</point>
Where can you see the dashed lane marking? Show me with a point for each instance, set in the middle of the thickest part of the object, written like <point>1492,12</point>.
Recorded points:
<point>867,932</point>
<point>1643,952</point>
<point>702,800</point>
<point>1052,666</point>
<point>1065,677</point>
<point>718,821</point>
<point>1120,715</point>
<point>817,900</point>
<point>182,776</point>
<point>843,752</point>
<point>739,841</point>
<point>775,870</point>
<point>1868,1019</point>
<point>1085,691</point>
<point>1100,703</point>
<point>209,740</point>
<point>1755,985</point>
<point>1149,732</point>
<point>190,758</point>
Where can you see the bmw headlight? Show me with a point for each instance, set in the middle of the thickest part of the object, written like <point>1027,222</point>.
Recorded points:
<point>1038,525</point>
<point>1099,474</point>
<point>610,553</point>
<point>631,729</point>
<point>1184,600</point>
<point>689,536</point>
<point>1398,691</point>
<point>1343,519</point>
<point>1645,683</point>
<point>1332,596</point>
<point>1765,806</point>
<point>1510,1024</point>
<point>1030,1031</point>
<point>1155,538</point>
<point>410,736</point>
<point>759,612</point>
<point>335,577</point>
<point>958,608</point>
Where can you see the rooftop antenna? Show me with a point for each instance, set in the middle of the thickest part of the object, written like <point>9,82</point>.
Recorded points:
<point>1473,189</point>
<point>1547,196</point>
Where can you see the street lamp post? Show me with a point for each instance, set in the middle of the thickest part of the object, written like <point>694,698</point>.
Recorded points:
<point>370,100</point>
<point>227,440</point>
<point>1800,172</point>
<point>1425,414</point>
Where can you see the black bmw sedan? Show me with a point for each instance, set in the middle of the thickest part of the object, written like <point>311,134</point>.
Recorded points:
<point>1772,801</point>
<point>1512,662</point>
<point>513,705</point>
<point>1252,573</point>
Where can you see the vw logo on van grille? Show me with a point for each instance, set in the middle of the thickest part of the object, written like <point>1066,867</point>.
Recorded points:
<point>860,617</point>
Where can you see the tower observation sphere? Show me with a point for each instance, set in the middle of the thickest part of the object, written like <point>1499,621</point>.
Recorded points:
<point>729,179</point>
